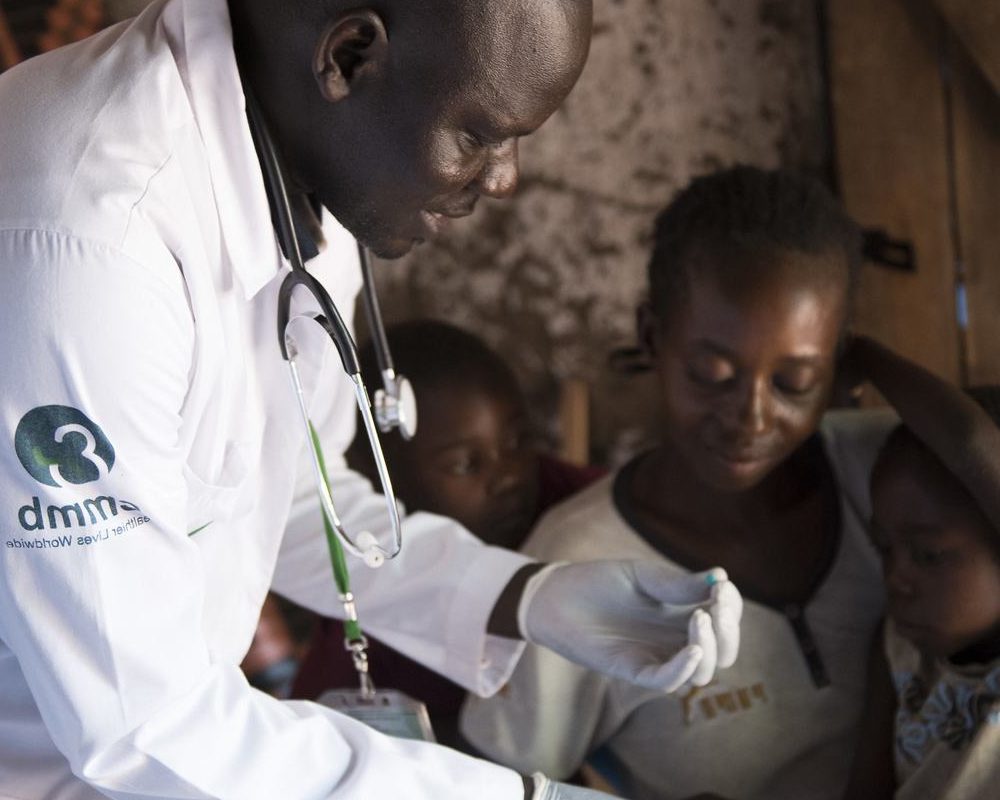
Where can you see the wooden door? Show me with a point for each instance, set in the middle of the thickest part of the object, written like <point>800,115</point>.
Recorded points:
<point>916,129</point>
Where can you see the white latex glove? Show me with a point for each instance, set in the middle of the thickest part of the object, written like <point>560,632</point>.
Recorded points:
<point>553,790</point>
<point>635,620</point>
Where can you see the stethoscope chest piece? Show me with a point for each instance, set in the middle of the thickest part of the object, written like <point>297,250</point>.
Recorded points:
<point>396,406</point>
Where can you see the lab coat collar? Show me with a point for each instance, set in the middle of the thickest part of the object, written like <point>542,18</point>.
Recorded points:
<point>203,30</point>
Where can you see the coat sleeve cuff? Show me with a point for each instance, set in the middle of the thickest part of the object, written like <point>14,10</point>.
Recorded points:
<point>481,662</point>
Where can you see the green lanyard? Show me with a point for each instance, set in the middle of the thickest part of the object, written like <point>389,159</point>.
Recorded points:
<point>354,640</point>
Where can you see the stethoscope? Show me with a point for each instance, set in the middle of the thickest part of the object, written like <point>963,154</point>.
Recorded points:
<point>394,405</point>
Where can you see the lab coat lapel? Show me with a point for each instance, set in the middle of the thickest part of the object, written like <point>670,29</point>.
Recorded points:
<point>203,43</point>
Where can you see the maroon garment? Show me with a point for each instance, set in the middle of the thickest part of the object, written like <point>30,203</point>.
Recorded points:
<point>557,480</point>
<point>328,666</point>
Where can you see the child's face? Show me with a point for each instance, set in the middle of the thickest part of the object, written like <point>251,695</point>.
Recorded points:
<point>939,553</point>
<point>746,371</point>
<point>472,459</point>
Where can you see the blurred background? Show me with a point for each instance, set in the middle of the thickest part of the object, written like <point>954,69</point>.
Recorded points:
<point>895,104</point>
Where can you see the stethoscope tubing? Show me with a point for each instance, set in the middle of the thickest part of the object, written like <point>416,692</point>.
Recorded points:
<point>367,547</point>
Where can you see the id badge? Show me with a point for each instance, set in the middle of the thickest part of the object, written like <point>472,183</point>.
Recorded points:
<point>390,712</point>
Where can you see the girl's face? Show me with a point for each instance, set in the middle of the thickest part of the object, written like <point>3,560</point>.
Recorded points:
<point>472,459</point>
<point>746,371</point>
<point>939,553</point>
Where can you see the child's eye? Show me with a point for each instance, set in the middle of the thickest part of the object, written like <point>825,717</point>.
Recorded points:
<point>465,464</point>
<point>930,557</point>
<point>522,438</point>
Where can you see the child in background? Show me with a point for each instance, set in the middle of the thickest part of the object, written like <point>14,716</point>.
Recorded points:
<point>933,716</point>
<point>750,279</point>
<point>474,459</point>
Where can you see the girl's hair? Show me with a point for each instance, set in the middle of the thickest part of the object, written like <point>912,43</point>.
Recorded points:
<point>432,354</point>
<point>734,221</point>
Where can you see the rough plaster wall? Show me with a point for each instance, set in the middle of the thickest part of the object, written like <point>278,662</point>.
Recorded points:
<point>673,88</point>
<point>123,9</point>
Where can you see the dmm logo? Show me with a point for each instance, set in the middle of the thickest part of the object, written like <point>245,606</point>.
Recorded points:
<point>60,446</point>
<point>32,518</point>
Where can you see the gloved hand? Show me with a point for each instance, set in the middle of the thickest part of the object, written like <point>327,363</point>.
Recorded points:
<point>635,620</point>
<point>544,789</point>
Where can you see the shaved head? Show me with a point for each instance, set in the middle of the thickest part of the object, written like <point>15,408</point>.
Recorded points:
<point>399,114</point>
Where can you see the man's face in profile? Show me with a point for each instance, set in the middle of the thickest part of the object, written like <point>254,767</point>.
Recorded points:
<point>428,110</point>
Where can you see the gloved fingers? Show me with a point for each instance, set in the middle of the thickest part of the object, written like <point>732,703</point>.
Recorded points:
<point>546,789</point>
<point>726,610</point>
<point>671,675</point>
<point>665,586</point>
<point>700,633</point>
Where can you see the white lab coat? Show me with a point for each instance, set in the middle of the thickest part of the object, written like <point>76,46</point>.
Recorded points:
<point>138,284</point>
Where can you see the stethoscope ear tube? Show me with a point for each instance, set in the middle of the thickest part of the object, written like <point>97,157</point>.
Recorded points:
<point>274,184</point>
<point>374,313</point>
<point>395,404</point>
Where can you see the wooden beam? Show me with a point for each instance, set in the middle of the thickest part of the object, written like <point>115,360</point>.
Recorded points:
<point>574,421</point>
<point>976,23</point>
<point>891,147</point>
<point>976,115</point>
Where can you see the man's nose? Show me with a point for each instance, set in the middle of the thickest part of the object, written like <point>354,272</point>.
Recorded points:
<point>499,175</point>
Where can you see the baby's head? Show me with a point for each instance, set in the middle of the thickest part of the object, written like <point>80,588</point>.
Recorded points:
<point>940,554</point>
<point>750,283</point>
<point>472,458</point>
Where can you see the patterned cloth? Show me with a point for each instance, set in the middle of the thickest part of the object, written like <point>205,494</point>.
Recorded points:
<point>947,724</point>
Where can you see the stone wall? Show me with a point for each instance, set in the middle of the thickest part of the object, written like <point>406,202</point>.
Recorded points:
<point>672,89</point>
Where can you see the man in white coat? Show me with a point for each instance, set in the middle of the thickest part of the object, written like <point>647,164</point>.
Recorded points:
<point>155,483</point>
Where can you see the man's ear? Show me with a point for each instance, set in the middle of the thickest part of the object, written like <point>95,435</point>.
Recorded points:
<point>648,329</point>
<point>352,47</point>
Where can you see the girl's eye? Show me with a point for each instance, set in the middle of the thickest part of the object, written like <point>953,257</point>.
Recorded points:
<point>799,382</point>
<point>711,372</point>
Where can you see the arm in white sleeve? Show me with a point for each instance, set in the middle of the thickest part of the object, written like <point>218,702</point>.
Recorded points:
<point>108,633</point>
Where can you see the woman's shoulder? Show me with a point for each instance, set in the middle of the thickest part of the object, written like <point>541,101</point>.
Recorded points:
<point>857,432</point>
<point>584,526</point>
<point>852,439</point>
